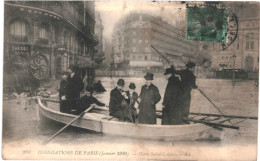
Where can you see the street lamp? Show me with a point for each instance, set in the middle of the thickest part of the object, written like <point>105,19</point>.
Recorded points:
<point>234,59</point>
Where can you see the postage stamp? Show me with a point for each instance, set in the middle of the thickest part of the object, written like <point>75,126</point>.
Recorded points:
<point>206,24</point>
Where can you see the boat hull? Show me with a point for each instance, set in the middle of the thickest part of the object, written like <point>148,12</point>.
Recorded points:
<point>194,131</point>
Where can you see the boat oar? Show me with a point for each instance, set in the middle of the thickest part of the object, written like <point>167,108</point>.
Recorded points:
<point>210,100</point>
<point>75,119</point>
<point>212,103</point>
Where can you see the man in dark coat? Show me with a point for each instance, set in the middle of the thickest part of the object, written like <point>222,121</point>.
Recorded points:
<point>172,111</point>
<point>118,102</point>
<point>63,92</point>
<point>75,85</point>
<point>188,82</point>
<point>133,96</point>
<point>87,100</point>
<point>148,98</point>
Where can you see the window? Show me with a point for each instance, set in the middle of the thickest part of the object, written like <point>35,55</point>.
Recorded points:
<point>140,57</point>
<point>133,57</point>
<point>140,41</point>
<point>134,32</point>
<point>134,40</point>
<point>19,30</point>
<point>145,58</point>
<point>249,41</point>
<point>146,49</point>
<point>146,41</point>
<point>43,31</point>
<point>134,49</point>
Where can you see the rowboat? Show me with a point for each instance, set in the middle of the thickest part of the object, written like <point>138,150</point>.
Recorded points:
<point>99,123</point>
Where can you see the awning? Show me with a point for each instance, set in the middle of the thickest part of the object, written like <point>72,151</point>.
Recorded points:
<point>145,64</point>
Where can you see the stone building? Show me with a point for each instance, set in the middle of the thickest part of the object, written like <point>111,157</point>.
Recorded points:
<point>43,38</point>
<point>132,39</point>
<point>244,52</point>
<point>99,49</point>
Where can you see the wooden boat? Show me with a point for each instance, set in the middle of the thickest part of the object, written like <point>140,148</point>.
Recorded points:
<point>91,121</point>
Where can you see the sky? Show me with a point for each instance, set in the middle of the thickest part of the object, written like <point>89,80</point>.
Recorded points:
<point>112,11</point>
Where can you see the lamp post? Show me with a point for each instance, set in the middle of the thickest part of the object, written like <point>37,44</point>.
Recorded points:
<point>234,59</point>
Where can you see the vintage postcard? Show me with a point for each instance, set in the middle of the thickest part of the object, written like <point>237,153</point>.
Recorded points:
<point>130,80</point>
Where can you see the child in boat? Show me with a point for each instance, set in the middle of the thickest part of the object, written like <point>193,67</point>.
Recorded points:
<point>133,96</point>
<point>87,100</point>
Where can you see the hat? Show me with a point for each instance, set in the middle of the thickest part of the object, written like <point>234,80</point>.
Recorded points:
<point>132,86</point>
<point>149,76</point>
<point>190,65</point>
<point>64,73</point>
<point>168,71</point>
<point>120,82</point>
<point>89,89</point>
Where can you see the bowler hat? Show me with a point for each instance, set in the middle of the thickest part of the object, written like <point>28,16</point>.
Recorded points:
<point>190,65</point>
<point>89,89</point>
<point>168,71</point>
<point>120,82</point>
<point>132,86</point>
<point>149,76</point>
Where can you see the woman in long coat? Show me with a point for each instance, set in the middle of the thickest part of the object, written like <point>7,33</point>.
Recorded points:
<point>172,111</point>
<point>149,97</point>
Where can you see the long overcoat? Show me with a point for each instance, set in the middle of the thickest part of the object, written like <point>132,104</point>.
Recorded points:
<point>172,112</point>
<point>150,96</point>
<point>63,92</point>
<point>188,82</point>
<point>75,85</point>
<point>115,104</point>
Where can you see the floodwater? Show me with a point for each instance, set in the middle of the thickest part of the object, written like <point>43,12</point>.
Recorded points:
<point>22,128</point>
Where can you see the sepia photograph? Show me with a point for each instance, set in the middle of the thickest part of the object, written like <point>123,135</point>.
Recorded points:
<point>130,80</point>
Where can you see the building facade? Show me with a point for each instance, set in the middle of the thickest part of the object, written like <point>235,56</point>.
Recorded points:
<point>135,34</point>
<point>243,53</point>
<point>43,38</point>
<point>99,49</point>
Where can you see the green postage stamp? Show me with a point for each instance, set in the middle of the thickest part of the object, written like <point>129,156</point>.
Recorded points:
<point>206,24</point>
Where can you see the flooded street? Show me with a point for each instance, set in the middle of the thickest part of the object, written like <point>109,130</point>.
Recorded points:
<point>23,127</point>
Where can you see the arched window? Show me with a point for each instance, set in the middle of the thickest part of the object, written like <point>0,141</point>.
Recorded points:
<point>19,30</point>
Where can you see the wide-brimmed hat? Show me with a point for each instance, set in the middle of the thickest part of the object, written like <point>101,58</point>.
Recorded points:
<point>132,86</point>
<point>120,82</point>
<point>89,89</point>
<point>190,65</point>
<point>149,76</point>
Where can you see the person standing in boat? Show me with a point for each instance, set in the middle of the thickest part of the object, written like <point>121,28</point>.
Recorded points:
<point>148,98</point>
<point>87,100</point>
<point>188,82</point>
<point>172,110</point>
<point>63,92</point>
<point>118,101</point>
<point>133,96</point>
<point>75,85</point>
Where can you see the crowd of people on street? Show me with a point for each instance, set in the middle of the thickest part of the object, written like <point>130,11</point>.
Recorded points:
<point>122,104</point>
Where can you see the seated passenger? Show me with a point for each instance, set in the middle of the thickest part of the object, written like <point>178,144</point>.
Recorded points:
<point>87,100</point>
<point>119,103</point>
